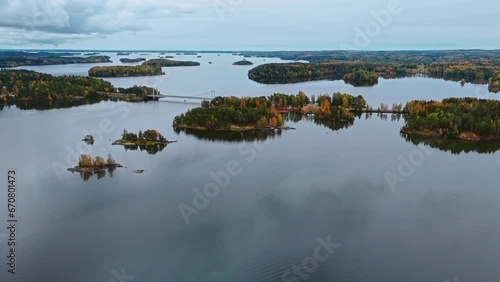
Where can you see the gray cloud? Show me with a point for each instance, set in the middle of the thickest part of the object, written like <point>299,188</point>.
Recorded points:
<point>59,21</point>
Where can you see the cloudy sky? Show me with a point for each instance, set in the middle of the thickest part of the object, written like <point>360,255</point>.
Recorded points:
<point>249,24</point>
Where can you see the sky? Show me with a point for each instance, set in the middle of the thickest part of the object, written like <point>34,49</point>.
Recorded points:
<point>249,24</point>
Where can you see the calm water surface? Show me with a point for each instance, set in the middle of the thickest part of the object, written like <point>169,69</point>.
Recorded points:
<point>293,188</point>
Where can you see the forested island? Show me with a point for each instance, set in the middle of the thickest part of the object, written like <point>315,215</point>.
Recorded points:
<point>13,59</point>
<point>136,60</point>
<point>478,72</point>
<point>148,137</point>
<point>125,71</point>
<point>150,141</point>
<point>257,113</point>
<point>147,68</point>
<point>170,63</point>
<point>468,119</point>
<point>494,83</point>
<point>31,86</point>
<point>243,63</point>
<point>361,78</point>
<point>94,165</point>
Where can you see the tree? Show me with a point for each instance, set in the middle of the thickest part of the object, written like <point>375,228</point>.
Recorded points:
<point>280,122</point>
<point>124,134</point>
<point>262,123</point>
<point>85,161</point>
<point>273,122</point>
<point>110,160</point>
<point>325,106</point>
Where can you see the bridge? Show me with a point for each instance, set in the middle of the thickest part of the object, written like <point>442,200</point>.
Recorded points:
<point>202,96</point>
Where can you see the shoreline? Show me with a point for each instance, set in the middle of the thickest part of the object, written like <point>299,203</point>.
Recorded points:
<point>464,136</point>
<point>93,169</point>
<point>141,142</point>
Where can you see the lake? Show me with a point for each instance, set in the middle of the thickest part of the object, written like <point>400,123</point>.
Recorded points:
<point>310,204</point>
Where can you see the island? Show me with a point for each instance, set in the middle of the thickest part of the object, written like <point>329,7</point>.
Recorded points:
<point>170,63</point>
<point>494,83</point>
<point>125,71</point>
<point>91,54</point>
<point>265,113</point>
<point>146,138</point>
<point>148,68</point>
<point>150,141</point>
<point>122,54</point>
<point>11,59</point>
<point>468,119</point>
<point>361,78</point>
<point>243,63</point>
<point>87,164</point>
<point>88,139</point>
<point>472,66</point>
<point>127,60</point>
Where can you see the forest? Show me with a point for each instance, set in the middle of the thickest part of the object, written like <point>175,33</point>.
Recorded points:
<point>255,113</point>
<point>479,72</point>
<point>125,71</point>
<point>148,68</point>
<point>468,119</point>
<point>169,63</point>
<point>13,59</point>
<point>361,78</point>
<point>136,60</point>
<point>24,85</point>
<point>31,85</point>
<point>402,57</point>
<point>494,83</point>
<point>242,63</point>
<point>231,114</point>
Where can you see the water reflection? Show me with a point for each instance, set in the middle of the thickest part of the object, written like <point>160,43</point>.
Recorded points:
<point>57,104</point>
<point>227,136</point>
<point>454,146</point>
<point>99,174</point>
<point>150,149</point>
<point>248,136</point>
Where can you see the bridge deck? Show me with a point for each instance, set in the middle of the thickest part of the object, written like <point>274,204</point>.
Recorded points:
<point>181,97</point>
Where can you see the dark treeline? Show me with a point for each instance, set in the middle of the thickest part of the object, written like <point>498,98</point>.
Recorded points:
<point>15,59</point>
<point>351,72</point>
<point>170,63</point>
<point>403,57</point>
<point>136,60</point>
<point>463,118</point>
<point>243,63</point>
<point>330,70</point>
